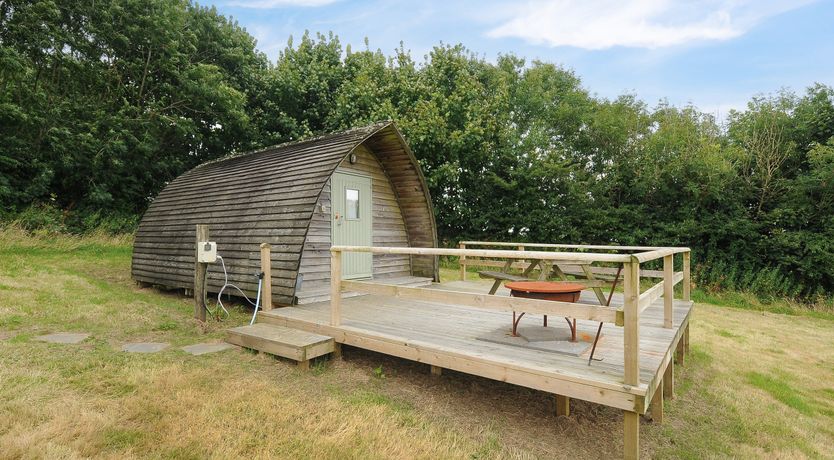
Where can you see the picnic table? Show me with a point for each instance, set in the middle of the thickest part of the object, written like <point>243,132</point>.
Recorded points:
<point>546,268</point>
<point>519,287</point>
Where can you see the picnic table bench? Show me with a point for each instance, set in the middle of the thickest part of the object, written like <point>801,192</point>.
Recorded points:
<point>591,281</point>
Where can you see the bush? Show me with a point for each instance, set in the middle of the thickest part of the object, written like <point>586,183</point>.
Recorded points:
<point>46,218</point>
<point>40,218</point>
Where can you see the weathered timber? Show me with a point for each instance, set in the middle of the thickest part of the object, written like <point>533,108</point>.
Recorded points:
<point>280,196</point>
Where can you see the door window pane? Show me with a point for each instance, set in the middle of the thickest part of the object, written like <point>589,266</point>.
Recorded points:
<point>351,203</point>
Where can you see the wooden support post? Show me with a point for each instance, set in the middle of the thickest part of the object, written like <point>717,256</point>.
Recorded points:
<point>335,288</point>
<point>631,355</point>
<point>200,275</point>
<point>337,350</point>
<point>668,289</point>
<point>656,408</point>
<point>669,381</point>
<point>562,405</point>
<point>679,350</point>
<point>631,331</point>
<point>687,277</point>
<point>266,267</point>
<point>304,365</point>
<point>462,264</point>
<point>686,339</point>
<point>631,435</point>
<point>436,371</point>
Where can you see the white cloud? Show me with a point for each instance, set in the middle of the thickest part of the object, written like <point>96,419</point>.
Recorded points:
<point>601,24</point>
<point>265,4</point>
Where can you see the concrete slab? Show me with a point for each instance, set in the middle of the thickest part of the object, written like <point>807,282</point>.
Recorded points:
<point>204,348</point>
<point>63,337</point>
<point>545,334</point>
<point>144,347</point>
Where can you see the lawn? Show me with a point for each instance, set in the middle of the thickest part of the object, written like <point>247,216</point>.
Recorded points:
<point>755,384</point>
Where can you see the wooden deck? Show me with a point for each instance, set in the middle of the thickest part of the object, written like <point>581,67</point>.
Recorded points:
<point>446,336</point>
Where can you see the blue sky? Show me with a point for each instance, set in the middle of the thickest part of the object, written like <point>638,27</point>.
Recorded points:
<point>715,54</point>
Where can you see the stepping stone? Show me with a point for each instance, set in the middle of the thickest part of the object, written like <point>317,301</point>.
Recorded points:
<point>144,347</point>
<point>203,348</point>
<point>63,337</point>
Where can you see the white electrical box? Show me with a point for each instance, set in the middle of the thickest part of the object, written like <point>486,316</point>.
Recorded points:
<point>207,252</point>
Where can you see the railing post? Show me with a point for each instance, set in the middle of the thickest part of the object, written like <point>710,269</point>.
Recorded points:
<point>631,346</point>
<point>521,248</point>
<point>266,267</point>
<point>631,332</point>
<point>462,263</point>
<point>687,282</point>
<point>335,287</point>
<point>668,289</point>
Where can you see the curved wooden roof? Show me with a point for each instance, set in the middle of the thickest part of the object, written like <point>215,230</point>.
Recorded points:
<point>269,196</point>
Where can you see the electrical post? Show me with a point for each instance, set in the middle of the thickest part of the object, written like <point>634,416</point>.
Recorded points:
<point>200,275</point>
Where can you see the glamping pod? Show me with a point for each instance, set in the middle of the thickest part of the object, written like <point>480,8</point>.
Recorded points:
<point>359,187</point>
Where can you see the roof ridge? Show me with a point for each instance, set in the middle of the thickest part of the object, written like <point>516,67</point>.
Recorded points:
<point>372,127</point>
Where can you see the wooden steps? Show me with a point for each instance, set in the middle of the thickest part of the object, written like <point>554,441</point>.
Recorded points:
<point>282,341</point>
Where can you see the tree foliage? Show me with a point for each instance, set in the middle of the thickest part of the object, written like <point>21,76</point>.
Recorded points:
<point>103,102</point>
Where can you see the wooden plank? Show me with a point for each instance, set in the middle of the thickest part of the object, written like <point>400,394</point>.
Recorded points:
<point>631,331</point>
<point>668,289</point>
<point>680,355</point>
<point>447,358</point>
<point>585,257</point>
<point>657,254</point>
<point>491,302</point>
<point>462,261</point>
<point>653,293</point>
<point>687,281</point>
<point>281,341</point>
<point>656,406</point>
<point>563,246</point>
<point>631,435</point>
<point>589,274</point>
<point>428,324</point>
<point>200,269</point>
<point>562,406</point>
<point>266,268</point>
<point>335,288</point>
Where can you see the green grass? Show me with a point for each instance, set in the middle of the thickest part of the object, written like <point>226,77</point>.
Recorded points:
<point>756,383</point>
<point>781,391</point>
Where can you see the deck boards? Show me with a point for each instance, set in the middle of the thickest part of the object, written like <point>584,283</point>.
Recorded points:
<point>440,333</point>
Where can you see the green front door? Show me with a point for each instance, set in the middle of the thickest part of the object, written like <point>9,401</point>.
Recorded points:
<point>352,226</point>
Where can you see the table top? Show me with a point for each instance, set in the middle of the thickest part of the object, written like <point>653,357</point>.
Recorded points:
<point>544,286</point>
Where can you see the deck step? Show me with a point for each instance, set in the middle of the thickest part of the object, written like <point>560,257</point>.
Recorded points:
<point>281,341</point>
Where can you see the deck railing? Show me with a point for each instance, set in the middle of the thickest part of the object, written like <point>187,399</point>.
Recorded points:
<point>627,316</point>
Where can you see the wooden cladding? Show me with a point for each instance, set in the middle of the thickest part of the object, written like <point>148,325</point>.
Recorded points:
<point>275,196</point>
